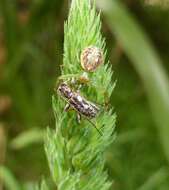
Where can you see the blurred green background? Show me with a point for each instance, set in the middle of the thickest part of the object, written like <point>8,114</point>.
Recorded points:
<point>31,49</point>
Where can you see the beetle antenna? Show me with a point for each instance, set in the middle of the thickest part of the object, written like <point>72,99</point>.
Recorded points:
<point>95,127</point>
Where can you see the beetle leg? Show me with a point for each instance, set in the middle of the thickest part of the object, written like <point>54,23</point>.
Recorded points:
<point>67,107</point>
<point>78,117</point>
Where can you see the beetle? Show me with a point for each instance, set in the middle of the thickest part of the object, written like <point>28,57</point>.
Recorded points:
<point>81,105</point>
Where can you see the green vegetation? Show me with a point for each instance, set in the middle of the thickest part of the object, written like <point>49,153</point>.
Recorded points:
<point>31,43</point>
<point>75,151</point>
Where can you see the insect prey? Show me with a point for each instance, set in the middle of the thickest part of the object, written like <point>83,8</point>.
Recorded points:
<point>83,107</point>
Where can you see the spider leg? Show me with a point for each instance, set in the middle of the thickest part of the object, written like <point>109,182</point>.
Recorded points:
<point>68,76</point>
<point>79,117</point>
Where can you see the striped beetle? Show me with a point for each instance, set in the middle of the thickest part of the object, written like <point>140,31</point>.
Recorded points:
<point>82,106</point>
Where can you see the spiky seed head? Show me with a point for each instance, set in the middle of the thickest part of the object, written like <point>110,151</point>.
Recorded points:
<point>91,58</point>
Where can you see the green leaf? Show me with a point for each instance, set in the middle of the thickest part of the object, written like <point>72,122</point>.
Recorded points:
<point>155,180</point>
<point>8,179</point>
<point>27,138</point>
